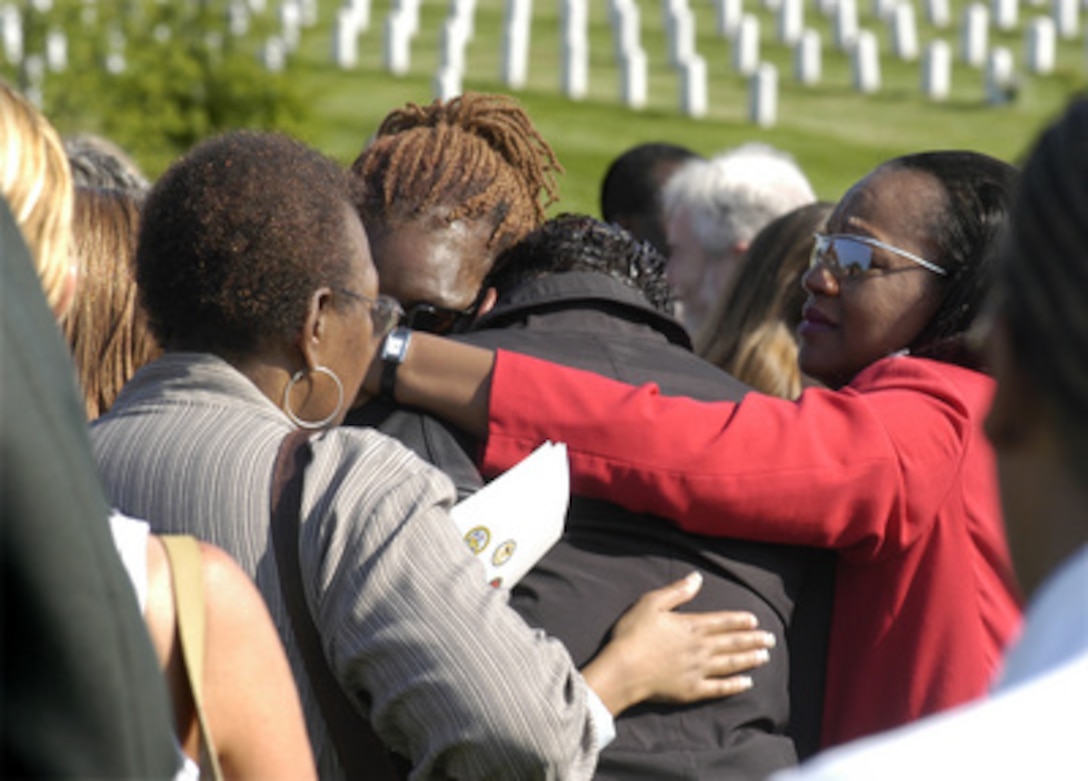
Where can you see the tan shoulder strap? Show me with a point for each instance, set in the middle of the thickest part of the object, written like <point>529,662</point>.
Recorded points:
<point>187,575</point>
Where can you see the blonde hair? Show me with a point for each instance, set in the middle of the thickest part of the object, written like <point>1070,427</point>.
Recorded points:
<point>105,327</point>
<point>750,334</point>
<point>766,359</point>
<point>37,183</point>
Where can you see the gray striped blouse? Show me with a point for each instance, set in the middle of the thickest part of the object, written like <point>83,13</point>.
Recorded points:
<point>445,671</point>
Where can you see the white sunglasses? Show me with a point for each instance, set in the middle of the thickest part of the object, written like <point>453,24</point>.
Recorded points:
<point>847,255</point>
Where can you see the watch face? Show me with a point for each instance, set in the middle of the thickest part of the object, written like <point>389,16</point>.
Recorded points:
<point>396,345</point>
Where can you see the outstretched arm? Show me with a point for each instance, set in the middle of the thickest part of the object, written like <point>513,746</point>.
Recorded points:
<point>876,457</point>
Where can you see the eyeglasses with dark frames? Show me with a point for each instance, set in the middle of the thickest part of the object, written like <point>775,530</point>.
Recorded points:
<point>385,311</point>
<point>437,319</point>
<point>847,255</point>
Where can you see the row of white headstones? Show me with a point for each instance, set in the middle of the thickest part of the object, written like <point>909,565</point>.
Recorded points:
<point>741,29</point>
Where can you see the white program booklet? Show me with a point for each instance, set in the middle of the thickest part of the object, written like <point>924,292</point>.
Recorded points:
<point>516,518</point>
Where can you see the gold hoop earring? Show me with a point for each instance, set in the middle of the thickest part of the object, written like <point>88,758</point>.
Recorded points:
<point>312,425</point>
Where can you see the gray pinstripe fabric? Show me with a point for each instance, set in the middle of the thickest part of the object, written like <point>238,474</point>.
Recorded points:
<point>447,673</point>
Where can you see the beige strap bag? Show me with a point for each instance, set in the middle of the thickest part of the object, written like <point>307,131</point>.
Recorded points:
<point>187,576</point>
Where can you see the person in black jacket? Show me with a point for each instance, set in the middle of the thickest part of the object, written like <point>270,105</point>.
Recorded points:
<point>586,294</point>
<point>80,690</point>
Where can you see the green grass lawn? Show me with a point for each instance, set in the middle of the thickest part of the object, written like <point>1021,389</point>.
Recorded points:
<point>835,133</point>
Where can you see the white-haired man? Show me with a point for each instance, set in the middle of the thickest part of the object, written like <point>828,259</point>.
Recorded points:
<point>713,210</point>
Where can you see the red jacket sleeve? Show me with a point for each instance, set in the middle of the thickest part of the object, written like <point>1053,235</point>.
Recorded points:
<point>864,468</point>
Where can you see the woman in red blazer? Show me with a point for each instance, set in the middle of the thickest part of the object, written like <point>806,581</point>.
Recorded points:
<point>888,465</point>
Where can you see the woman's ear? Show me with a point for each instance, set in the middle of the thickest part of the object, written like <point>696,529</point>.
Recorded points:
<point>315,328</point>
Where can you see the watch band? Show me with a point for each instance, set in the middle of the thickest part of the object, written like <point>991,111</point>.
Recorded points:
<point>394,348</point>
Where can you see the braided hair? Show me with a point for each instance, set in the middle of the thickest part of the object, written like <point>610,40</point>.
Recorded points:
<point>1042,277</point>
<point>978,191</point>
<point>475,157</point>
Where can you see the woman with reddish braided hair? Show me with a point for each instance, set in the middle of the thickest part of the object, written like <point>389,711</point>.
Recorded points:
<point>464,178</point>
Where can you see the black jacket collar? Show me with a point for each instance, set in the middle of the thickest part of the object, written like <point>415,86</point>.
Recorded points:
<point>580,293</point>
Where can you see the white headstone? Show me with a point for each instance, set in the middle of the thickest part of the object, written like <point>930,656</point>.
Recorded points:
<point>514,61</point>
<point>1005,14</point>
<point>446,84</point>
<point>408,11</point>
<point>238,18</point>
<point>807,61</point>
<point>290,23</point>
<point>865,61</point>
<point>345,39</point>
<point>1040,46</point>
<point>574,68</point>
<point>882,9</point>
<point>763,95</point>
<point>274,55</point>
<point>361,11</point>
<point>12,22</point>
<point>574,21</point>
<point>693,87</point>
<point>1066,18</point>
<point>791,21</point>
<point>904,32</point>
<point>974,35</point>
<point>1000,78</point>
<point>398,44</point>
<point>56,50</point>
<point>680,35</point>
<point>746,46</point>
<point>115,49</point>
<point>42,6</point>
<point>626,31</point>
<point>633,72</point>
<point>617,8</point>
<point>845,25</point>
<point>826,7</point>
<point>453,42</point>
<point>772,5</point>
<point>309,12</point>
<point>668,8</point>
<point>727,16</point>
<point>938,13</point>
<point>937,70</point>
<point>34,70</point>
<point>465,10</point>
<point>257,6</point>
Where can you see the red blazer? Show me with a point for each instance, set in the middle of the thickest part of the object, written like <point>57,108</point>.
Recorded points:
<point>893,472</point>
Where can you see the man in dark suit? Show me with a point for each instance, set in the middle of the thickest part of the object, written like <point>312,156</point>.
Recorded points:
<point>588,295</point>
<point>81,694</point>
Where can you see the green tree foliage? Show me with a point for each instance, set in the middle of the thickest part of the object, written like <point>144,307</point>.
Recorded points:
<point>155,77</point>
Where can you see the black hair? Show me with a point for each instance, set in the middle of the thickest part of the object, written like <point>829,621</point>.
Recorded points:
<point>235,238</point>
<point>576,242</point>
<point>978,191</point>
<point>1042,285</point>
<point>630,185</point>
